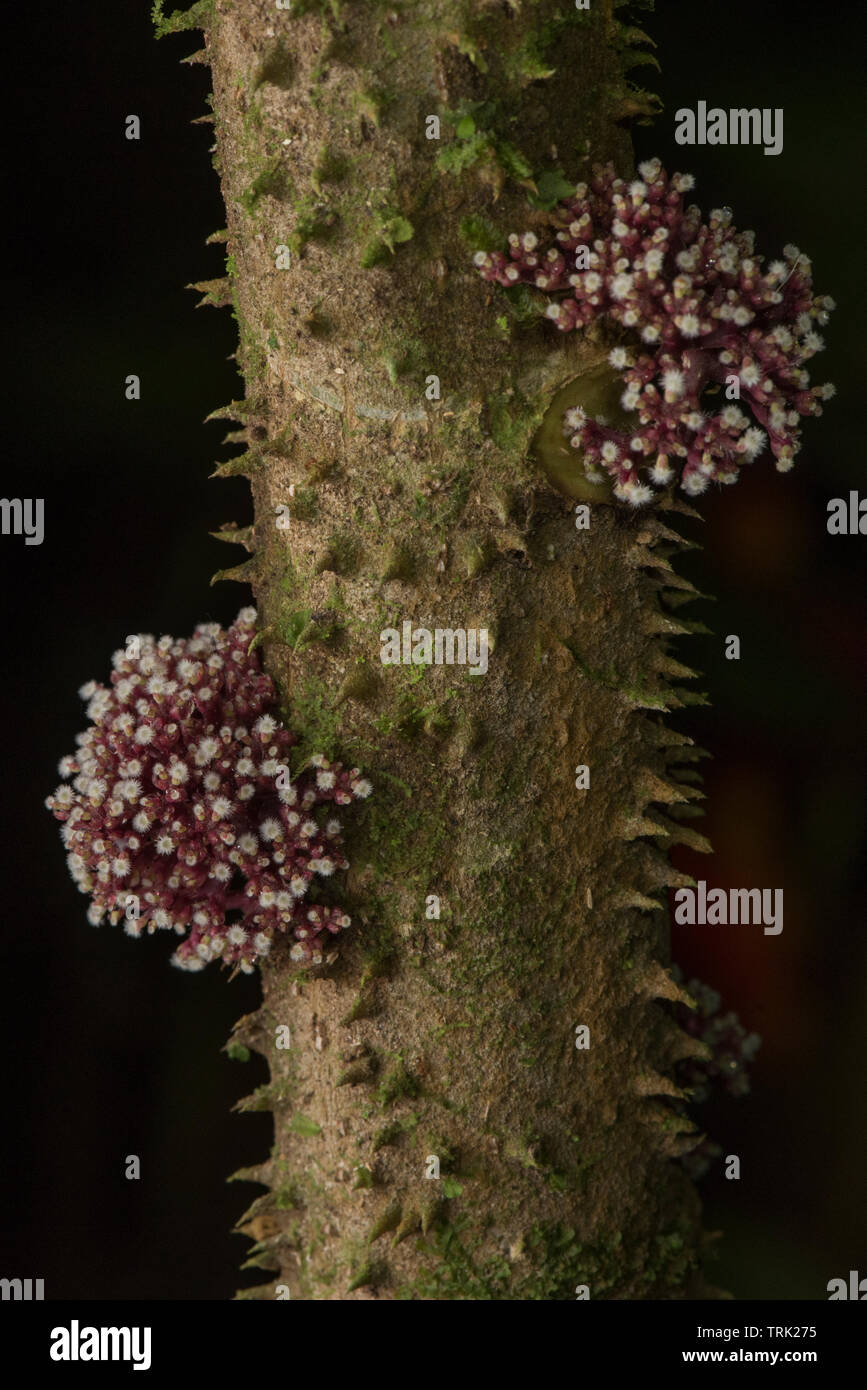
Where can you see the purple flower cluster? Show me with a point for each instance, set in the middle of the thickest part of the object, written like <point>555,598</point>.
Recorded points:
<point>694,313</point>
<point>732,1047</point>
<point>182,814</point>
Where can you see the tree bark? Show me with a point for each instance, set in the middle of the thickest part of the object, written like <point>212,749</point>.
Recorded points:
<point>453,1037</point>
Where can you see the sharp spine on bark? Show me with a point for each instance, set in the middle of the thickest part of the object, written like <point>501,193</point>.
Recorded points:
<point>241,574</point>
<point>235,535</point>
<point>410,1223</point>
<point>358,684</point>
<point>366,1275</point>
<point>655,982</point>
<point>355,1073</point>
<point>398,564</point>
<point>655,1084</point>
<point>631,898</point>
<point>216,294</point>
<point>244,465</point>
<point>389,1220</point>
<point>385,1137</point>
<point>235,410</point>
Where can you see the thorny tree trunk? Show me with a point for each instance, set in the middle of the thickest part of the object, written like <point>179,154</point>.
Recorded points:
<point>454,1037</point>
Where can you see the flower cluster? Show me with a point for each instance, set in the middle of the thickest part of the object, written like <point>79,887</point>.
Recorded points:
<point>732,1047</point>
<point>694,312</point>
<point>182,814</point>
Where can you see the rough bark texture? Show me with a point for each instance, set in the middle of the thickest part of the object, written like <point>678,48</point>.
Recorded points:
<point>455,1037</point>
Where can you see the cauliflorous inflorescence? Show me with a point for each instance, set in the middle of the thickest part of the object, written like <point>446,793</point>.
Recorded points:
<point>693,315</point>
<point>181,813</point>
<point>731,1047</point>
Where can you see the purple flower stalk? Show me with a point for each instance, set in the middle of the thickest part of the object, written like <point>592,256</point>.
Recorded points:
<point>182,815</point>
<point>695,312</point>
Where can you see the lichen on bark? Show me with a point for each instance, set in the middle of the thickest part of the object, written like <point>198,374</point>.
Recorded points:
<point>350,235</point>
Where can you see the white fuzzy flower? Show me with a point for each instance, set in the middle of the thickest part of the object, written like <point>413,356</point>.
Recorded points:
<point>96,790</point>
<point>188,670</point>
<point>733,418</point>
<point>206,751</point>
<point>662,472</point>
<point>633,492</point>
<point>673,384</point>
<point>751,443</point>
<point>695,484</point>
<point>621,286</point>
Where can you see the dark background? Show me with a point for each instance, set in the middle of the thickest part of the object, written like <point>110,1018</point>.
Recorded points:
<point>106,1050</point>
